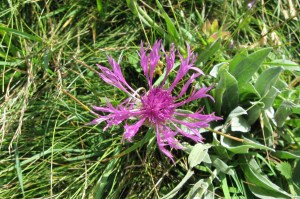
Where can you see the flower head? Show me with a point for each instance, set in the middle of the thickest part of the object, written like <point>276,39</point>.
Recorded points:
<point>157,107</point>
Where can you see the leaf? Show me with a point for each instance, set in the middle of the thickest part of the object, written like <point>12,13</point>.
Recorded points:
<point>103,182</point>
<point>214,26</point>
<point>286,64</point>
<point>259,184</point>
<point>216,68</point>
<point>283,111</point>
<point>269,98</point>
<point>21,34</point>
<point>296,176</point>
<point>287,154</point>
<point>132,6</point>
<point>242,148</point>
<point>208,52</point>
<point>226,96</point>
<point>19,170</point>
<point>267,79</point>
<point>172,193</point>
<point>237,59</point>
<point>238,111</point>
<point>285,169</point>
<point>197,154</point>
<point>222,166</point>
<point>248,92</point>
<point>203,188</point>
<point>254,111</point>
<point>244,68</point>
<point>170,26</point>
<point>239,124</point>
<point>99,6</point>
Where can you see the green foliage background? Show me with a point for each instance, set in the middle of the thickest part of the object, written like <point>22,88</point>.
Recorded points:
<point>48,55</point>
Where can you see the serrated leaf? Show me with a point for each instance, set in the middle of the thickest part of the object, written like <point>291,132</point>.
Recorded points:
<point>285,169</point>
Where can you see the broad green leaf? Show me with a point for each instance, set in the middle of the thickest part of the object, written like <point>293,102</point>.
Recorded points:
<point>222,166</point>
<point>267,79</point>
<point>269,98</point>
<point>286,64</point>
<point>267,129</point>
<point>256,145</point>
<point>172,193</point>
<point>283,111</point>
<point>239,124</point>
<point>197,154</point>
<point>265,193</point>
<point>259,183</point>
<point>198,189</point>
<point>238,111</point>
<point>254,111</point>
<point>247,92</point>
<point>242,148</point>
<point>226,93</point>
<point>237,60</point>
<point>287,154</point>
<point>285,169</point>
<point>215,70</point>
<point>245,68</point>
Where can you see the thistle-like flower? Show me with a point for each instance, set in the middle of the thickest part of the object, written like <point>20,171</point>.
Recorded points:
<point>157,108</point>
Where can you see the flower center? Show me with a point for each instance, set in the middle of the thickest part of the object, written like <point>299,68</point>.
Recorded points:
<point>157,105</point>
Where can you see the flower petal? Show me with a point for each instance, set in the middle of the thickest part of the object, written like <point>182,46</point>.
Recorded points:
<point>187,84</point>
<point>185,66</point>
<point>161,145</point>
<point>202,93</point>
<point>131,130</point>
<point>154,57</point>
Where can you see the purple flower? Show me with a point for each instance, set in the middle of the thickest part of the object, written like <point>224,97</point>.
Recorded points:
<point>158,107</point>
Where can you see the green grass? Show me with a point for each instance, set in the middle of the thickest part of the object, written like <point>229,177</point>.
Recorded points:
<point>48,56</point>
